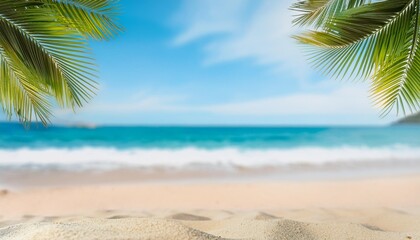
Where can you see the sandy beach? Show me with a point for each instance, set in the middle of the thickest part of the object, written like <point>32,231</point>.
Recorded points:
<point>376,208</point>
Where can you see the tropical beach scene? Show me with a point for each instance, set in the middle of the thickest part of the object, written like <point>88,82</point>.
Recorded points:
<point>209,119</point>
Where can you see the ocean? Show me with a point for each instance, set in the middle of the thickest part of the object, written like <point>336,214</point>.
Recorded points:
<point>181,147</point>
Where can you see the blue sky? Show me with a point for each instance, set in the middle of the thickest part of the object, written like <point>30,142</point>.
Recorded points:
<point>215,62</point>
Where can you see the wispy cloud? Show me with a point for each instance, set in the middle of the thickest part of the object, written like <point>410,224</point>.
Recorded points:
<point>348,100</point>
<point>141,102</point>
<point>347,103</point>
<point>206,17</point>
<point>263,36</point>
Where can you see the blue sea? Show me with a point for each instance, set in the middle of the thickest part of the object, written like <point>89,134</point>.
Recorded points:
<point>179,147</point>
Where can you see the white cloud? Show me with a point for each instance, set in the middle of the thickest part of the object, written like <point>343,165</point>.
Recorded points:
<point>347,104</point>
<point>206,17</point>
<point>347,100</point>
<point>141,102</point>
<point>146,104</point>
<point>264,35</point>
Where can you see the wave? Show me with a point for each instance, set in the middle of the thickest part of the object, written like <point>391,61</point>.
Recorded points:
<point>109,158</point>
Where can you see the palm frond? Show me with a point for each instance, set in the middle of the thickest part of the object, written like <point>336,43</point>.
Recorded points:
<point>315,13</point>
<point>48,50</point>
<point>377,40</point>
<point>351,46</point>
<point>18,95</point>
<point>93,18</point>
<point>396,82</point>
<point>44,54</point>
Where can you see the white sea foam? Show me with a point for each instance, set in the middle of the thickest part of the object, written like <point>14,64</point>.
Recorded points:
<point>102,158</point>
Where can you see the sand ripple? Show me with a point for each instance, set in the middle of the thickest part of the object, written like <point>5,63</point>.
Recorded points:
<point>233,228</point>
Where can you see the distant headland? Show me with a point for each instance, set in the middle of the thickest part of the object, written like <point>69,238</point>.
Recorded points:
<point>412,119</point>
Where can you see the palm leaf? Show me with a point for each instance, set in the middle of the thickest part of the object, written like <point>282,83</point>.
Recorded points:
<point>17,95</point>
<point>92,18</point>
<point>377,40</point>
<point>316,13</point>
<point>44,54</point>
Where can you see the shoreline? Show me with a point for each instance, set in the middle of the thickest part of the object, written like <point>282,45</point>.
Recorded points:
<point>27,178</point>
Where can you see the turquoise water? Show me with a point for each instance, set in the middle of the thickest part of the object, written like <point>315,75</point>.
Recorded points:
<point>13,136</point>
<point>187,146</point>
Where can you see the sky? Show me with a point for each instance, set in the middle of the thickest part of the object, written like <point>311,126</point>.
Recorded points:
<point>215,62</point>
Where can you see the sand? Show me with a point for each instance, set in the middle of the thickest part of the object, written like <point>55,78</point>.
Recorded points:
<point>380,208</point>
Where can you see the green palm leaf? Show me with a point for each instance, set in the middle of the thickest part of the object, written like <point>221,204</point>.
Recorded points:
<point>44,53</point>
<point>317,12</point>
<point>374,40</point>
<point>94,19</point>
